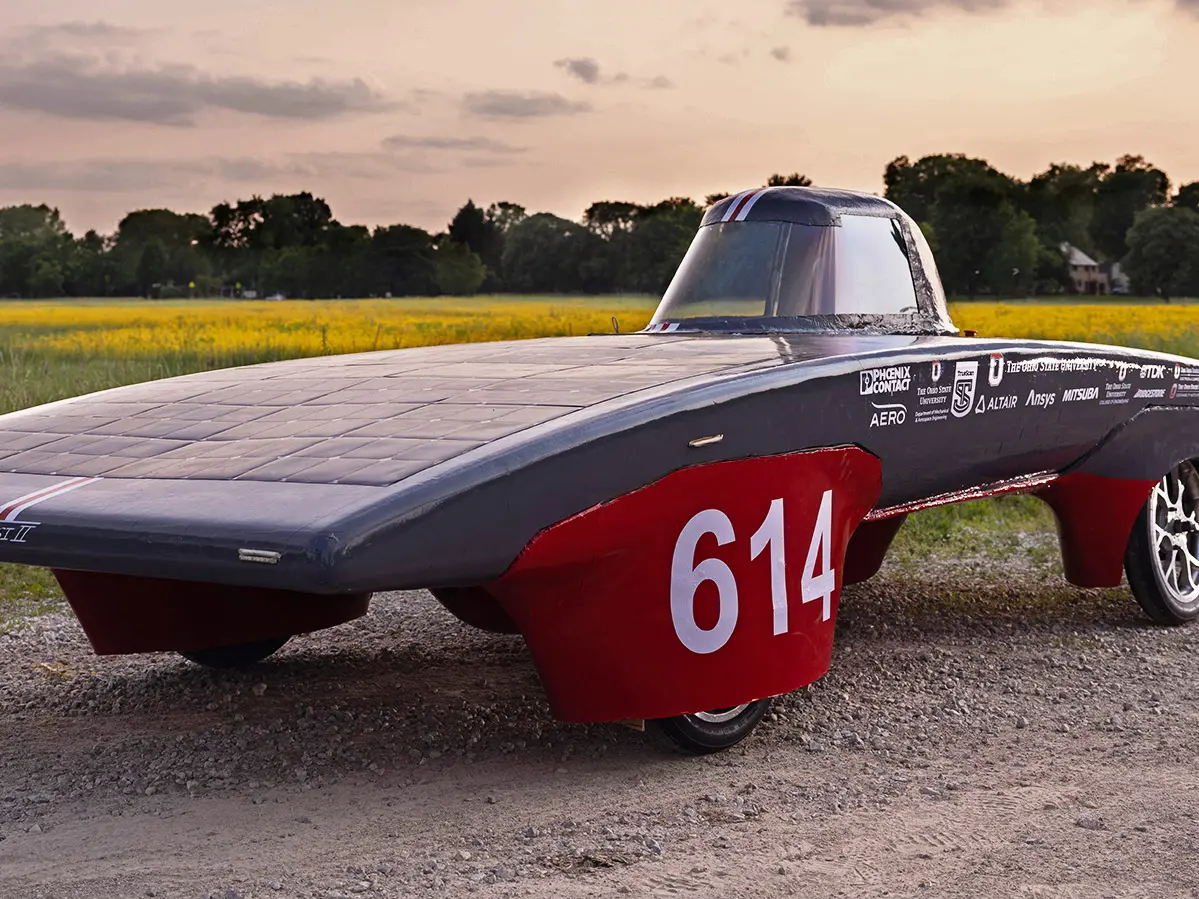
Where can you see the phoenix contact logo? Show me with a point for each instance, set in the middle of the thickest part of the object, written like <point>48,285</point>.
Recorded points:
<point>1080,394</point>
<point>896,379</point>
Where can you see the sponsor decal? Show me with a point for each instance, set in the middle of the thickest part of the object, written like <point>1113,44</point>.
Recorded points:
<point>1177,371</point>
<point>1157,393</point>
<point>965,383</point>
<point>896,379</point>
<point>13,526</point>
<point>1122,370</point>
<point>1153,372</point>
<point>1173,391</point>
<point>887,414</point>
<point>937,371</point>
<point>1080,394</point>
<point>1043,400</point>
<point>997,403</point>
<point>995,372</point>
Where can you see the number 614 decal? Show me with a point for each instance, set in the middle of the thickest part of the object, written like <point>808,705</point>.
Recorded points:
<point>686,575</point>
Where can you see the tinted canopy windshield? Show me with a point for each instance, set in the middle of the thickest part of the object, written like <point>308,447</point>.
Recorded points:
<point>787,271</point>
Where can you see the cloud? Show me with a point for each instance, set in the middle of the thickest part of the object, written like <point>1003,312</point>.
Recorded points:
<point>588,71</point>
<point>782,54</point>
<point>78,87</point>
<point>97,30</point>
<point>851,13</point>
<point>469,144</point>
<point>521,104</point>
<point>585,69</point>
<point>124,176</point>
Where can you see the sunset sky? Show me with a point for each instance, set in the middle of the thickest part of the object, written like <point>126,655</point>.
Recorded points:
<point>398,110</point>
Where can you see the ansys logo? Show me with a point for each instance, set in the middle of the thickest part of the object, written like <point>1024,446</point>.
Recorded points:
<point>965,383</point>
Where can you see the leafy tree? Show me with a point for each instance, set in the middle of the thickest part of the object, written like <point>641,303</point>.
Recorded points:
<point>46,279</point>
<point>152,266</point>
<point>659,241</point>
<point>795,179</point>
<point>34,242</point>
<point>545,254</point>
<point>402,262</point>
<point>607,218</point>
<point>713,199</point>
<point>1133,185</point>
<point>1163,251</point>
<point>986,243</point>
<point>1062,200</point>
<point>1188,196</point>
<point>458,271</point>
<point>913,186</point>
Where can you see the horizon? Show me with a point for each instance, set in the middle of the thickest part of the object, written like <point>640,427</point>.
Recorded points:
<point>400,113</point>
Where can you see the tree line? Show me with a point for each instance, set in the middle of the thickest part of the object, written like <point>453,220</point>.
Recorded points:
<point>992,234</point>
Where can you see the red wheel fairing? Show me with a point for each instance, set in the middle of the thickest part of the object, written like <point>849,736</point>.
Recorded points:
<point>712,587</point>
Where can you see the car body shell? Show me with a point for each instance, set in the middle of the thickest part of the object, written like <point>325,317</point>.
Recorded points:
<point>547,486</point>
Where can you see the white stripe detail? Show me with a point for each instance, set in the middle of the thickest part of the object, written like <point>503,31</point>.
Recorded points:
<point>40,496</point>
<point>728,213</point>
<point>750,205</point>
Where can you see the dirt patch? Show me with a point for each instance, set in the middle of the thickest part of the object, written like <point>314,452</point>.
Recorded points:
<point>984,731</point>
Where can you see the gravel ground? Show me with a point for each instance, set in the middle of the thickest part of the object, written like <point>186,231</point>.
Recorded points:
<point>985,730</point>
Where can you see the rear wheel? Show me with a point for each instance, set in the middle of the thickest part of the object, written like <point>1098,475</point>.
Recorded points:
<point>1162,561</point>
<point>241,655</point>
<point>704,732</point>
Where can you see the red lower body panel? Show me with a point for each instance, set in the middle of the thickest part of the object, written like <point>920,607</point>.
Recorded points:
<point>714,586</point>
<point>121,614</point>
<point>1095,517</point>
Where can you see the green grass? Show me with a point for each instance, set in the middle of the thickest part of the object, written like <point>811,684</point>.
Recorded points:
<point>26,592</point>
<point>1001,528</point>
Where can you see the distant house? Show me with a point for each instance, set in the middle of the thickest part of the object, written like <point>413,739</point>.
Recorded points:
<point>1085,272</point>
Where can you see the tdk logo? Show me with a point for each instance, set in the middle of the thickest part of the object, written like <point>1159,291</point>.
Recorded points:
<point>1153,371</point>
<point>1080,394</point>
<point>897,379</point>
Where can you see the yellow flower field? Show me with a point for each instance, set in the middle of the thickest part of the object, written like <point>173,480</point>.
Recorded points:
<point>50,350</point>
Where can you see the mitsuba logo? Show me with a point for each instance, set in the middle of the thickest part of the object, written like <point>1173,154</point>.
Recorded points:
<point>888,414</point>
<point>965,383</point>
<point>1044,400</point>
<point>896,379</point>
<point>1080,394</point>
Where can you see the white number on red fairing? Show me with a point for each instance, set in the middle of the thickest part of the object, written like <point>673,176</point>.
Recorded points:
<point>686,576</point>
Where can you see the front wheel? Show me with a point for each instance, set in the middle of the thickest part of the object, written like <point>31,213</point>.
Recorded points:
<point>1162,561</point>
<point>241,655</point>
<point>704,732</point>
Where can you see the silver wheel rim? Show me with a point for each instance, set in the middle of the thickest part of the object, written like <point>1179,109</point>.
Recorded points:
<point>1174,534</point>
<point>720,716</point>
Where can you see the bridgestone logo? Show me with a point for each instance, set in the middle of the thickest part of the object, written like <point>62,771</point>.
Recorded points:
<point>1144,394</point>
<point>1079,394</point>
<point>897,379</point>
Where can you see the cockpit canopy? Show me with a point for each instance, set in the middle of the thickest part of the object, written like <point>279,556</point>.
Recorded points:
<point>801,259</point>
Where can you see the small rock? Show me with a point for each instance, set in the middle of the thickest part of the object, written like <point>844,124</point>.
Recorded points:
<point>1021,722</point>
<point>782,870</point>
<point>36,828</point>
<point>462,855</point>
<point>1089,823</point>
<point>258,689</point>
<point>275,885</point>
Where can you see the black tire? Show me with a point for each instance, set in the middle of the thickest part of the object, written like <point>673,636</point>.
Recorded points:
<point>241,655</point>
<point>700,734</point>
<point>1164,548</point>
